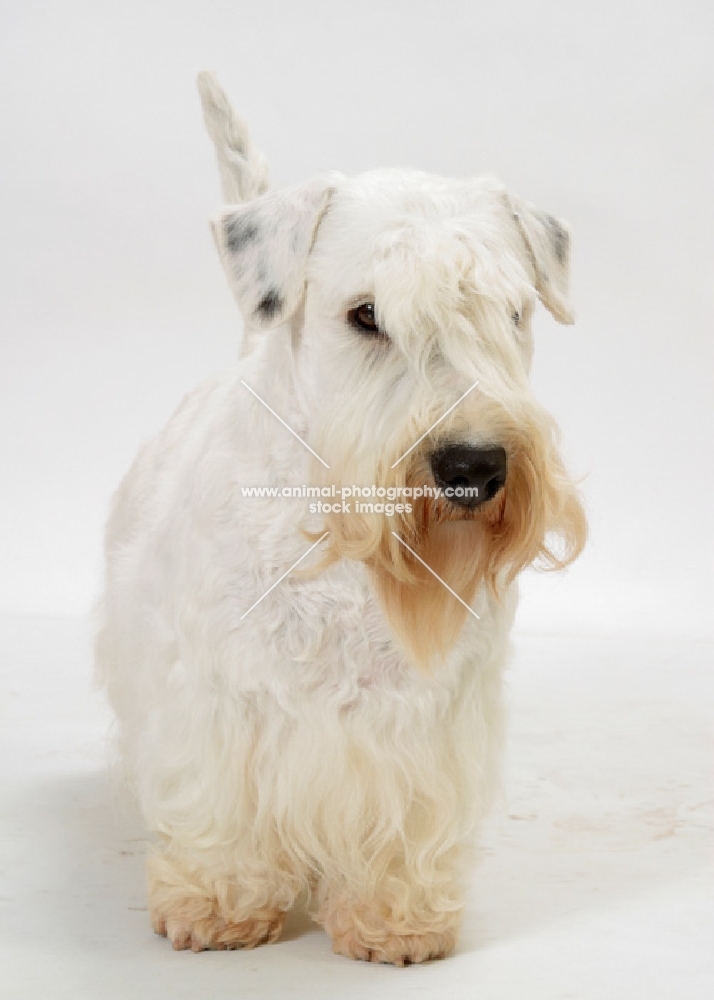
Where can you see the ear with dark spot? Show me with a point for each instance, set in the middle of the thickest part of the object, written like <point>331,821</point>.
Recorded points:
<point>264,246</point>
<point>547,240</point>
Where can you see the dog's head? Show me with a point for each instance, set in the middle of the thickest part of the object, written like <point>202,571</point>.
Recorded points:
<point>410,300</point>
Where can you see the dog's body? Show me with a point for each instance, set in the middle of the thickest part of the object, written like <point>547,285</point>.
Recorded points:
<point>341,734</point>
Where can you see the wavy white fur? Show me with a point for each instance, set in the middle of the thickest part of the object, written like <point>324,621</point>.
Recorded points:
<point>309,746</point>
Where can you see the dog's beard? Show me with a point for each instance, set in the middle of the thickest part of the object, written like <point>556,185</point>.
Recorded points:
<point>536,518</point>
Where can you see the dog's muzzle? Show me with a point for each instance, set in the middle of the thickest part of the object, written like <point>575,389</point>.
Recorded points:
<point>469,476</point>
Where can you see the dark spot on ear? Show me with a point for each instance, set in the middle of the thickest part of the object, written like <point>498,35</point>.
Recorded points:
<point>558,238</point>
<point>239,232</point>
<point>270,304</point>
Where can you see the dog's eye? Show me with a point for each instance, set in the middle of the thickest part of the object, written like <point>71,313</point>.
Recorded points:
<point>362,318</point>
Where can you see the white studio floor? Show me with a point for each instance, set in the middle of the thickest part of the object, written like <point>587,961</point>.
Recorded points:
<point>596,880</point>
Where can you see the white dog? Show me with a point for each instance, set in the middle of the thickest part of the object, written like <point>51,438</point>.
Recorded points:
<point>332,731</point>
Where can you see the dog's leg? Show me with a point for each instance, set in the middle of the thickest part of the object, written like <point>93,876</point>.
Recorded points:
<point>243,169</point>
<point>198,901</point>
<point>400,920</point>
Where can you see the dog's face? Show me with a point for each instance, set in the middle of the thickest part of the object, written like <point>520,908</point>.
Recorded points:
<point>410,299</point>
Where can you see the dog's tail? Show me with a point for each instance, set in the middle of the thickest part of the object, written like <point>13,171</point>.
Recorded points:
<point>243,169</point>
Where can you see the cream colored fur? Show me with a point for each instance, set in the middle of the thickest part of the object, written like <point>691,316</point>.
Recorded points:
<point>340,742</point>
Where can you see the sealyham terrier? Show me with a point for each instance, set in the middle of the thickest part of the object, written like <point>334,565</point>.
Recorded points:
<point>311,572</point>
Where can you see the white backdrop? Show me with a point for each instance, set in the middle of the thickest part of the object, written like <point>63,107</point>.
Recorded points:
<point>113,303</point>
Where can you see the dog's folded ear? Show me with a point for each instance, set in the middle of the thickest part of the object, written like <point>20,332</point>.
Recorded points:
<point>264,246</point>
<point>547,240</point>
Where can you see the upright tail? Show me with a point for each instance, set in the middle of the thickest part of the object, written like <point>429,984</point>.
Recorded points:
<point>243,169</point>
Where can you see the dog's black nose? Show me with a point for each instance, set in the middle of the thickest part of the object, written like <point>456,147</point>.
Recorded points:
<point>469,476</point>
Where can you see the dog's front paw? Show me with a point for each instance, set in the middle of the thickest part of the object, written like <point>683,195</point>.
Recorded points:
<point>395,949</point>
<point>367,933</point>
<point>214,933</point>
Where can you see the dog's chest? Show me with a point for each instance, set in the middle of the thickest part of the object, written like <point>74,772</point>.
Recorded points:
<point>328,639</point>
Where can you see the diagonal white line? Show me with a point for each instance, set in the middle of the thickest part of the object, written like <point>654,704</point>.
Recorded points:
<point>443,415</point>
<point>287,571</point>
<point>402,542</point>
<point>287,426</point>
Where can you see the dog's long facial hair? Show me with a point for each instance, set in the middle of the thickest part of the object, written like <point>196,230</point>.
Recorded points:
<point>537,518</point>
